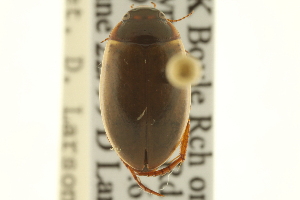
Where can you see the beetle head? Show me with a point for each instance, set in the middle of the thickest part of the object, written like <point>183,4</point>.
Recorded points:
<point>144,25</point>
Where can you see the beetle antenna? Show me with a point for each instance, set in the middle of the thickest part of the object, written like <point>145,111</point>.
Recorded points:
<point>154,4</point>
<point>105,40</point>
<point>171,20</point>
<point>132,6</point>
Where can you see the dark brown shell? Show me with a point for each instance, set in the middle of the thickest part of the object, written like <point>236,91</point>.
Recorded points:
<point>144,116</point>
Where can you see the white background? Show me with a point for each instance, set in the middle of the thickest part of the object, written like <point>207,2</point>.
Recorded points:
<point>257,99</point>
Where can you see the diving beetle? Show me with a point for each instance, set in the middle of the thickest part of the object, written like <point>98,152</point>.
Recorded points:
<point>145,117</point>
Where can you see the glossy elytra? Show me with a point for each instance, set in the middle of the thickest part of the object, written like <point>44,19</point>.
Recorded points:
<point>144,116</point>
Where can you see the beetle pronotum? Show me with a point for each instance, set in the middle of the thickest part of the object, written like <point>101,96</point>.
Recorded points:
<point>144,114</point>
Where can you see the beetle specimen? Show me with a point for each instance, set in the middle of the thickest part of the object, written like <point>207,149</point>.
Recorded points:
<point>145,117</point>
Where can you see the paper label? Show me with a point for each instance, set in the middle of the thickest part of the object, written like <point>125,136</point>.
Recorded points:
<point>90,169</point>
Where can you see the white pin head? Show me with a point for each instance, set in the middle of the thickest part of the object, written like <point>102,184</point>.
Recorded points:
<point>183,71</point>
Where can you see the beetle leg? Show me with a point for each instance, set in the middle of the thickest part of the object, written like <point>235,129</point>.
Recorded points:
<point>139,181</point>
<point>179,159</point>
<point>105,40</point>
